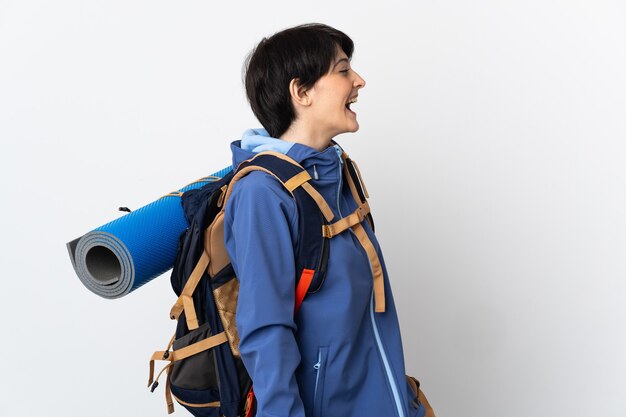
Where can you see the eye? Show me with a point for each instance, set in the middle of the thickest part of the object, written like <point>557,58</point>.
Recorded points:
<point>344,71</point>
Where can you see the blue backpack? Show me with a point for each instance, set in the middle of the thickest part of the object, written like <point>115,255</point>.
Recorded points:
<point>205,373</point>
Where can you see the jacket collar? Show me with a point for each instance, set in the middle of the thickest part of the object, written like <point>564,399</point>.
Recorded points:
<point>321,165</point>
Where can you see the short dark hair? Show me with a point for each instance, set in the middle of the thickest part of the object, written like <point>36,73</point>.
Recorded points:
<point>304,52</point>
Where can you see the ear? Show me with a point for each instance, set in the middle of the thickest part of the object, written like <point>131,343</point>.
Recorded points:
<point>298,93</point>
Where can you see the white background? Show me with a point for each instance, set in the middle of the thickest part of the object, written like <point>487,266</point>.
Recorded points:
<point>492,142</point>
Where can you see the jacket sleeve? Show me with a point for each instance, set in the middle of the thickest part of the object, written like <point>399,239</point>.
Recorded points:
<point>259,231</point>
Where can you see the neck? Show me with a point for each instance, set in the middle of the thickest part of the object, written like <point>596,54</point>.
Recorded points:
<point>306,135</point>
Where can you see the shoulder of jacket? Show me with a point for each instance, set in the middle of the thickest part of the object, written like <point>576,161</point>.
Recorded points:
<point>260,186</point>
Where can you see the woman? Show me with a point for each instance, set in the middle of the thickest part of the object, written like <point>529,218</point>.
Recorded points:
<point>340,355</point>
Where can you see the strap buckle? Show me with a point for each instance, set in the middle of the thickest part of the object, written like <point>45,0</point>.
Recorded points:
<point>356,217</point>
<point>361,212</point>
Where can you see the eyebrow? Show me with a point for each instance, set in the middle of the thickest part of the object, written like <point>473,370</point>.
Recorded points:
<point>342,59</point>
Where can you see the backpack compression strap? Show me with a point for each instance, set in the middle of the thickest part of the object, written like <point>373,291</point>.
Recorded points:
<point>185,300</point>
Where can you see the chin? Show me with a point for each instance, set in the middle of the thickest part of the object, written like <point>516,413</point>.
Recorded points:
<point>351,128</point>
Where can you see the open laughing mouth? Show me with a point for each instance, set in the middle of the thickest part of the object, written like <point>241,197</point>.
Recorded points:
<point>351,101</point>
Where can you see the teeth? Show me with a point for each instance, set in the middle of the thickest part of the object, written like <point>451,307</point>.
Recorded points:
<point>352,101</point>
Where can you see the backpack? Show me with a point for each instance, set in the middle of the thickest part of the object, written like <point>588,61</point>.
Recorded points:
<point>205,373</point>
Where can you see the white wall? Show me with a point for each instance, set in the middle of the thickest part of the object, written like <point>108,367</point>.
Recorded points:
<point>492,143</point>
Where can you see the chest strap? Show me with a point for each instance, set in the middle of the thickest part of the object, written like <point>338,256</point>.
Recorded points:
<point>330,230</point>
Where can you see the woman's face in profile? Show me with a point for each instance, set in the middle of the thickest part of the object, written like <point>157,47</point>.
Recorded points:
<point>332,95</point>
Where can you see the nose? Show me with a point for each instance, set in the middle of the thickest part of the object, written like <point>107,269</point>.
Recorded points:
<point>359,82</point>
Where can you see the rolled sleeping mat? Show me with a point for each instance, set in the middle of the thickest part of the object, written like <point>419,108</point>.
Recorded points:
<point>128,252</point>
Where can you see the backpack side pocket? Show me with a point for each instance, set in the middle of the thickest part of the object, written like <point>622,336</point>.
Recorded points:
<point>194,379</point>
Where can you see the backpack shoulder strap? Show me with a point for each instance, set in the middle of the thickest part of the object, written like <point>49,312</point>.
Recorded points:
<point>359,192</point>
<point>287,171</point>
<point>314,214</point>
<point>356,184</point>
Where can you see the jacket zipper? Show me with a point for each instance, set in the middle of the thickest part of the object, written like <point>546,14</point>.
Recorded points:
<point>394,388</point>
<point>339,152</point>
<point>319,380</point>
<point>317,370</point>
<point>392,383</point>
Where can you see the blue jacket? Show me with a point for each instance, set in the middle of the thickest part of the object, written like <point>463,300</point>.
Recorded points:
<point>336,357</point>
